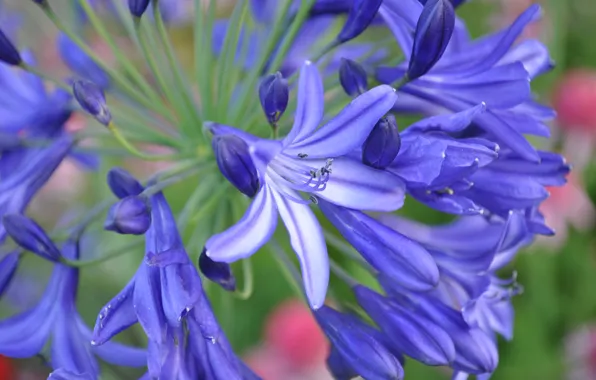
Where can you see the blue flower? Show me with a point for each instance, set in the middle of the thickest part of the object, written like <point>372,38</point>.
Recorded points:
<point>309,160</point>
<point>24,335</point>
<point>488,70</point>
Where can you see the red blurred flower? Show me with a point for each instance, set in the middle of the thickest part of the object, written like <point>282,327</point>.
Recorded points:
<point>574,99</point>
<point>7,369</point>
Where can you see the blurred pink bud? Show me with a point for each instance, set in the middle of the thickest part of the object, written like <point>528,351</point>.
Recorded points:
<point>574,100</point>
<point>294,333</point>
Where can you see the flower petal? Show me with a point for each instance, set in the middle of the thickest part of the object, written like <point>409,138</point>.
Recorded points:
<point>147,302</point>
<point>249,234</point>
<point>350,128</point>
<point>308,242</point>
<point>309,111</point>
<point>357,186</point>
<point>115,316</point>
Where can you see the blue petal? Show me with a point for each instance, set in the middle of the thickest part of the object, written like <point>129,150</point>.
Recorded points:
<point>180,290</point>
<point>350,128</point>
<point>8,266</point>
<point>117,315</point>
<point>309,245</point>
<point>357,186</point>
<point>420,160</point>
<point>309,111</point>
<point>70,349</point>
<point>64,374</point>
<point>249,234</point>
<point>147,302</point>
<point>450,123</point>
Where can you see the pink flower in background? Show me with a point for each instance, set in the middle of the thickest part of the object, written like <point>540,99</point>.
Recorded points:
<point>567,205</point>
<point>294,347</point>
<point>574,99</point>
<point>580,354</point>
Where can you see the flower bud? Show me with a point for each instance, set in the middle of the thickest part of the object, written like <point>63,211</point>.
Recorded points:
<point>129,216</point>
<point>433,32</point>
<point>220,273</point>
<point>383,144</point>
<point>235,163</point>
<point>361,15</point>
<point>361,351</point>
<point>8,52</point>
<point>137,7</point>
<point>29,235</point>
<point>352,77</point>
<point>273,92</point>
<point>91,98</point>
<point>123,184</point>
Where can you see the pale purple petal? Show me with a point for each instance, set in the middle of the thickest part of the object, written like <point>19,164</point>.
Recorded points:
<point>308,242</point>
<point>350,128</point>
<point>309,112</point>
<point>249,234</point>
<point>357,186</point>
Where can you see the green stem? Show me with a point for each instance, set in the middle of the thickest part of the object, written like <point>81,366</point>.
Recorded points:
<point>185,93</point>
<point>34,70</point>
<point>134,151</point>
<point>247,276</point>
<point>117,79</point>
<point>288,268</point>
<point>84,263</point>
<point>126,63</point>
<point>341,273</point>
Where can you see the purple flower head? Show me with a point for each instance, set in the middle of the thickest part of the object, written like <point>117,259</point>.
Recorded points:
<point>55,318</point>
<point>309,160</point>
<point>130,215</point>
<point>356,347</point>
<point>138,7</point>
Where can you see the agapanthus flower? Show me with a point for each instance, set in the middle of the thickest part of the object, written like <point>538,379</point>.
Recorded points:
<point>309,160</point>
<point>279,101</point>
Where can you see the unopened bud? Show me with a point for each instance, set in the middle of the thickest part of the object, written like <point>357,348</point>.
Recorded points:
<point>92,99</point>
<point>235,163</point>
<point>8,52</point>
<point>361,15</point>
<point>220,273</point>
<point>123,184</point>
<point>383,144</point>
<point>29,235</point>
<point>137,7</point>
<point>274,94</point>
<point>352,77</point>
<point>129,216</point>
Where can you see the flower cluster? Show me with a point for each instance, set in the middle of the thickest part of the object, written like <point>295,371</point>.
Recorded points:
<point>290,109</point>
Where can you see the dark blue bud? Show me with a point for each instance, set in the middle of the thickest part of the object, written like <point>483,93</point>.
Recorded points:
<point>29,235</point>
<point>220,273</point>
<point>138,7</point>
<point>433,32</point>
<point>352,77</point>
<point>274,94</point>
<point>359,350</point>
<point>383,144</point>
<point>361,15</point>
<point>455,3</point>
<point>129,216</point>
<point>91,98</point>
<point>338,367</point>
<point>235,163</point>
<point>321,7</point>
<point>8,266</point>
<point>123,184</point>
<point>8,52</point>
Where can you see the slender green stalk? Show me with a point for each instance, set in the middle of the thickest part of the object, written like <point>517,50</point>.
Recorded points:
<point>117,79</point>
<point>134,151</point>
<point>342,274</point>
<point>34,70</point>
<point>185,92</point>
<point>248,281</point>
<point>246,96</point>
<point>288,268</point>
<point>110,255</point>
<point>122,59</point>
